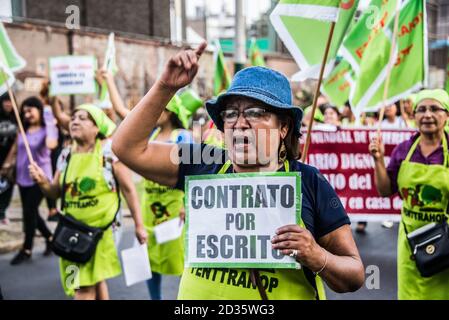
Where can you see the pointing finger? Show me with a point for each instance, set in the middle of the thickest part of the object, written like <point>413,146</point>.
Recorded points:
<point>199,51</point>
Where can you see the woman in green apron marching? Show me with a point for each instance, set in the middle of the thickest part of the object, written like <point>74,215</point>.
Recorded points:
<point>259,99</point>
<point>86,180</point>
<point>419,171</point>
<point>161,203</point>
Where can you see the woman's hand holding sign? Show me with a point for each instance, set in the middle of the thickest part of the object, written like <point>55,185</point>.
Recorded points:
<point>309,253</point>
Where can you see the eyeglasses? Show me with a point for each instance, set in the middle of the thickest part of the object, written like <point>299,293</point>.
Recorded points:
<point>432,108</point>
<point>253,114</point>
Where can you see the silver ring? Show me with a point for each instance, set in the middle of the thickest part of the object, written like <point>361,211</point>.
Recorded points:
<point>294,253</point>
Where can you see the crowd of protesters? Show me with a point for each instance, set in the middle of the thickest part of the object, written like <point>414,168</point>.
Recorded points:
<point>73,158</point>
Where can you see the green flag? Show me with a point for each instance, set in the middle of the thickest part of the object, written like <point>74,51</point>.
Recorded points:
<point>222,77</point>
<point>303,26</point>
<point>109,65</point>
<point>364,32</point>
<point>10,60</point>
<point>254,55</point>
<point>337,86</point>
<point>371,58</point>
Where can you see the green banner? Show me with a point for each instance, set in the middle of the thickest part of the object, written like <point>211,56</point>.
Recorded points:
<point>222,77</point>
<point>370,60</point>
<point>10,60</point>
<point>368,28</point>
<point>304,29</point>
<point>255,55</point>
<point>109,65</point>
<point>337,86</point>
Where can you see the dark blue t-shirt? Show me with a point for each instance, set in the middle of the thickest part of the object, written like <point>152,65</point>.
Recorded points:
<point>322,211</point>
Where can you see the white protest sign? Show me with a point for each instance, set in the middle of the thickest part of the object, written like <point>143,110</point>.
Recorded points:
<point>136,265</point>
<point>72,75</point>
<point>168,230</point>
<point>231,219</point>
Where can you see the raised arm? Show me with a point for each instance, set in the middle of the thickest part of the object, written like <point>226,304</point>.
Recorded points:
<point>155,161</point>
<point>381,178</point>
<point>128,188</point>
<point>62,118</point>
<point>117,102</point>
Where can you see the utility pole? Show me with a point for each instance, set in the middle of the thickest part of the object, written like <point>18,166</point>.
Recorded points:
<point>240,37</point>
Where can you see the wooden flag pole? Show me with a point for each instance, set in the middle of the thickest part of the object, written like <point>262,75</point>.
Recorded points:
<point>317,92</point>
<point>16,113</point>
<point>403,113</point>
<point>389,69</point>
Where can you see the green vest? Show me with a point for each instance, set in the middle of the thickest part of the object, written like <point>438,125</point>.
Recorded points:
<point>160,204</point>
<point>235,284</point>
<point>425,193</point>
<point>89,199</point>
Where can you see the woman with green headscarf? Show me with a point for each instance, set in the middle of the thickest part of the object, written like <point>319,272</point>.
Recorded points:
<point>159,203</point>
<point>419,171</point>
<point>86,179</point>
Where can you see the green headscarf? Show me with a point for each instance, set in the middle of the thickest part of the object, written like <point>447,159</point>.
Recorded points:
<point>105,125</point>
<point>318,114</point>
<point>184,106</point>
<point>191,100</point>
<point>439,95</point>
<point>175,105</point>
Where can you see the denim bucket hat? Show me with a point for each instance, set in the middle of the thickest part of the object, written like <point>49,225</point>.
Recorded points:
<point>263,84</point>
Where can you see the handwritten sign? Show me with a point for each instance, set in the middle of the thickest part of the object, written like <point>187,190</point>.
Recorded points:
<point>72,75</point>
<point>230,219</point>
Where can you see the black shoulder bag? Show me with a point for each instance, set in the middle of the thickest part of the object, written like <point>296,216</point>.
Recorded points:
<point>74,240</point>
<point>430,248</point>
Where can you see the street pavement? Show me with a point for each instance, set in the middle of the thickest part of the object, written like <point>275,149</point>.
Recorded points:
<point>39,278</point>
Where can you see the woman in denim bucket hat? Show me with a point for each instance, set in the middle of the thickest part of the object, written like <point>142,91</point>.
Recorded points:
<point>258,101</point>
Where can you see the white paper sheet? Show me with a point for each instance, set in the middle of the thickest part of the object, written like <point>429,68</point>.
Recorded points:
<point>136,265</point>
<point>168,231</point>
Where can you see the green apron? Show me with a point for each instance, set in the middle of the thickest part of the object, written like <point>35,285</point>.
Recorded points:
<point>160,204</point>
<point>89,199</point>
<point>425,193</point>
<point>235,284</point>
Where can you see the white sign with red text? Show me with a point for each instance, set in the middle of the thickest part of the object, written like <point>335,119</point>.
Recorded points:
<point>72,75</point>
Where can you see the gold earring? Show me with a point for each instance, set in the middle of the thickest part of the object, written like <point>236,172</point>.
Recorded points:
<point>282,152</point>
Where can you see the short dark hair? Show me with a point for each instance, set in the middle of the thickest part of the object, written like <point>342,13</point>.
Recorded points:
<point>174,120</point>
<point>33,102</point>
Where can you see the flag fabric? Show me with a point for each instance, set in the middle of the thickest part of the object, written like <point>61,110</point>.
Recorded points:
<point>222,77</point>
<point>10,60</point>
<point>369,26</point>
<point>110,65</point>
<point>255,55</point>
<point>367,49</point>
<point>337,86</point>
<point>304,25</point>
